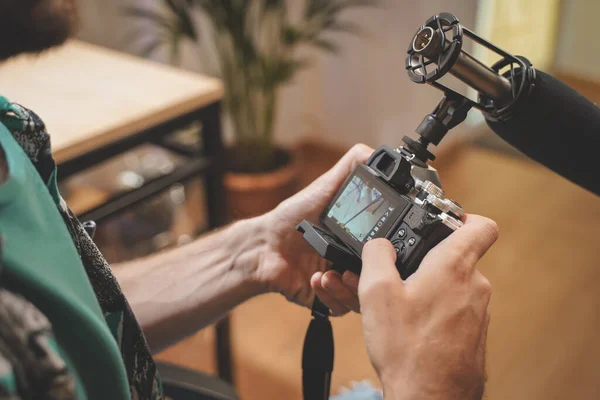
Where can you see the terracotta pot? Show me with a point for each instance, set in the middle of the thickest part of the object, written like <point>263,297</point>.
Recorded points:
<point>251,194</point>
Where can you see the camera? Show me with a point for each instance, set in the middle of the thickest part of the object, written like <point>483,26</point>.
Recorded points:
<point>395,195</point>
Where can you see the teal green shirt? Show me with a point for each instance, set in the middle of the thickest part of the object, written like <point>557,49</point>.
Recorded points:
<point>42,264</point>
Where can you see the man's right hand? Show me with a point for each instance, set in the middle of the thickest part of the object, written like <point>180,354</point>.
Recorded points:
<point>426,335</point>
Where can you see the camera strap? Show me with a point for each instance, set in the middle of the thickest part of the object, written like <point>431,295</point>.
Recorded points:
<point>317,354</point>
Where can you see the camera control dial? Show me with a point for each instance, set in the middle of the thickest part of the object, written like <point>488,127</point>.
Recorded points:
<point>434,195</point>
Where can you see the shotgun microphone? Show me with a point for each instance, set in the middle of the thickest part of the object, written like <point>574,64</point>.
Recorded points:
<point>531,110</point>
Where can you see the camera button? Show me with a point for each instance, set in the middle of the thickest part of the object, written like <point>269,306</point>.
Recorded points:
<point>412,241</point>
<point>401,233</point>
<point>400,247</point>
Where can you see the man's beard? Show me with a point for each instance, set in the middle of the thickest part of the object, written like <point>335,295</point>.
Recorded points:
<point>30,26</point>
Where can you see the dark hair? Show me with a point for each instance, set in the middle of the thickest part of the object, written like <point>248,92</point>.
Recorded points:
<point>31,26</point>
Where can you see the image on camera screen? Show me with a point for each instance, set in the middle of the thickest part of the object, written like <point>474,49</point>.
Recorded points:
<point>359,208</point>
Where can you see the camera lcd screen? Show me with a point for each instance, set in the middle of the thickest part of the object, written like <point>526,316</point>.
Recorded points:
<point>363,209</point>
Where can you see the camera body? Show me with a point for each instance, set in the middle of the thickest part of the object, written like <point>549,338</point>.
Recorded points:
<point>396,196</point>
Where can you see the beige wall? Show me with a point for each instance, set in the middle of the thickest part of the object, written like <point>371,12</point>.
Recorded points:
<point>578,46</point>
<point>521,27</point>
<point>103,22</point>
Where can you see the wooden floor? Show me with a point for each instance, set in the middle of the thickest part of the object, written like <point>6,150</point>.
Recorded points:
<point>545,271</point>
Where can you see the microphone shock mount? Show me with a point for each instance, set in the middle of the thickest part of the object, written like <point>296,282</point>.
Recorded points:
<point>436,50</point>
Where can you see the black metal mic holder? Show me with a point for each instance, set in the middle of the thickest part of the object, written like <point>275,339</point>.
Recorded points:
<point>437,49</point>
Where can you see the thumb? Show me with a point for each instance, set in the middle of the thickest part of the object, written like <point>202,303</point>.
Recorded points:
<point>378,267</point>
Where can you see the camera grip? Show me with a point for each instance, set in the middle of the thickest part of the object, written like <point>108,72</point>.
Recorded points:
<point>417,234</point>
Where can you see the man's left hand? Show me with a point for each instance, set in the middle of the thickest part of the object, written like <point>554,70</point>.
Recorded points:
<point>289,265</point>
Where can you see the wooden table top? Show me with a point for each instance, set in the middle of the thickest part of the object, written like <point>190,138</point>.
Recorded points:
<point>90,96</point>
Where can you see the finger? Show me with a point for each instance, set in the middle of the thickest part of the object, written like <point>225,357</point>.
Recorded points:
<point>332,283</point>
<point>465,246</point>
<point>336,307</point>
<point>487,229</point>
<point>350,279</point>
<point>378,267</point>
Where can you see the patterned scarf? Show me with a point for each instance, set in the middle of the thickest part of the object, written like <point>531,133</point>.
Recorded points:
<point>30,132</point>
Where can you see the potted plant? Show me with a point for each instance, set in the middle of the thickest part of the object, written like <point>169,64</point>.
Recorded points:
<point>257,44</point>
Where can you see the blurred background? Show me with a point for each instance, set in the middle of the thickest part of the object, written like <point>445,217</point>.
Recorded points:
<point>205,115</point>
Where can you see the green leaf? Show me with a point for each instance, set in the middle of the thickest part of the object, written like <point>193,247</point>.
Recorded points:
<point>184,18</point>
<point>316,7</point>
<point>270,4</point>
<point>291,35</point>
<point>286,70</point>
<point>278,71</point>
<point>149,48</point>
<point>326,45</point>
<point>361,3</point>
<point>150,15</point>
<point>173,5</point>
<point>343,26</point>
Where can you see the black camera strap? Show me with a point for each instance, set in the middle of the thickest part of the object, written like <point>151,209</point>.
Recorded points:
<point>317,354</point>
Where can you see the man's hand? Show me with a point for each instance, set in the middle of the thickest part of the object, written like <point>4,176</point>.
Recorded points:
<point>289,265</point>
<point>177,292</point>
<point>426,335</point>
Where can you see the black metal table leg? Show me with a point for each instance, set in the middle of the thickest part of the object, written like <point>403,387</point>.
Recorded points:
<point>213,146</point>
<point>217,216</point>
<point>223,350</point>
